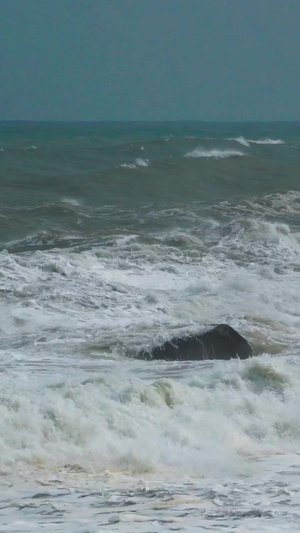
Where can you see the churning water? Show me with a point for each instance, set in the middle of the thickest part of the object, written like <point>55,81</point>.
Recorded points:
<point>114,238</point>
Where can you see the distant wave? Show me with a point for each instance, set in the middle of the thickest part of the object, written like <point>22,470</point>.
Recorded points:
<point>137,163</point>
<point>267,141</point>
<point>247,142</point>
<point>241,140</point>
<point>215,153</point>
<point>70,201</point>
<point>130,165</point>
<point>142,162</point>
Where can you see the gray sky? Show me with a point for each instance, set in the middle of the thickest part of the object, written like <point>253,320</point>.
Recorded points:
<point>150,59</point>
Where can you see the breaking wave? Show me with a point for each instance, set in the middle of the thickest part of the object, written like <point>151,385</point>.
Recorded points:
<point>246,142</point>
<point>267,141</point>
<point>137,163</point>
<point>214,153</point>
<point>209,421</point>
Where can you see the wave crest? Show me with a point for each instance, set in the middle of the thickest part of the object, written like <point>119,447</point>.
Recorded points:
<point>267,141</point>
<point>247,142</point>
<point>139,162</point>
<point>214,153</point>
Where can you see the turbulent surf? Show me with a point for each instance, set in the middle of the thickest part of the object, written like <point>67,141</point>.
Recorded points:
<point>115,239</point>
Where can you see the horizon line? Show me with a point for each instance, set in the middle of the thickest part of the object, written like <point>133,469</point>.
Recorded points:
<point>151,121</point>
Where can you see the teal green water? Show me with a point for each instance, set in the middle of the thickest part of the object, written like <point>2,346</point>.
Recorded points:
<point>53,173</point>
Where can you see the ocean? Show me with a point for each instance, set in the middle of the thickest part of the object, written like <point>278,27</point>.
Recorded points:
<point>115,237</point>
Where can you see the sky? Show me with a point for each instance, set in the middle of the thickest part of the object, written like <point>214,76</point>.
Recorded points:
<point>227,60</point>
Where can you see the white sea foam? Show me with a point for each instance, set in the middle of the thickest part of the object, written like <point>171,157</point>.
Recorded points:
<point>142,162</point>
<point>241,140</point>
<point>207,422</point>
<point>207,445</point>
<point>149,291</point>
<point>247,142</point>
<point>139,162</point>
<point>214,153</point>
<point>267,141</point>
<point>75,412</point>
<point>71,201</point>
<point>128,165</point>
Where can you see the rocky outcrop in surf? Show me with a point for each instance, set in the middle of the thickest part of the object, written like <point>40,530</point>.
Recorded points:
<point>220,342</point>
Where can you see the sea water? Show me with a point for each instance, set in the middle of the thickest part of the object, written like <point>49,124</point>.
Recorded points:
<point>115,238</point>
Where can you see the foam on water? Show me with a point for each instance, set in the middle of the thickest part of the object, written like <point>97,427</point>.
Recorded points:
<point>241,140</point>
<point>71,201</point>
<point>205,422</point>
<point>142,162</point>
<point>101,264</point>
<point>178,444</point>
<point>252,269</point>
<point>247,142</point>
<point>139,162</point>
<point>214,153</point>
<point>267,141</point>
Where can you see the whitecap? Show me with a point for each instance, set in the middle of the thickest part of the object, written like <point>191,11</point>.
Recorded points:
<point>71,201</point>
<point>125,240</point>
<point>214,153</point>
<point>125,165</point>
<point>247,142</point>
<point>139,162</point>
<point>207,422</point>
<point>240,140</point>
<point>266,141</point>
<point>142,162</point>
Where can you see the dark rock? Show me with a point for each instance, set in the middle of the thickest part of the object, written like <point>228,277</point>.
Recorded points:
<point>220,342</point>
